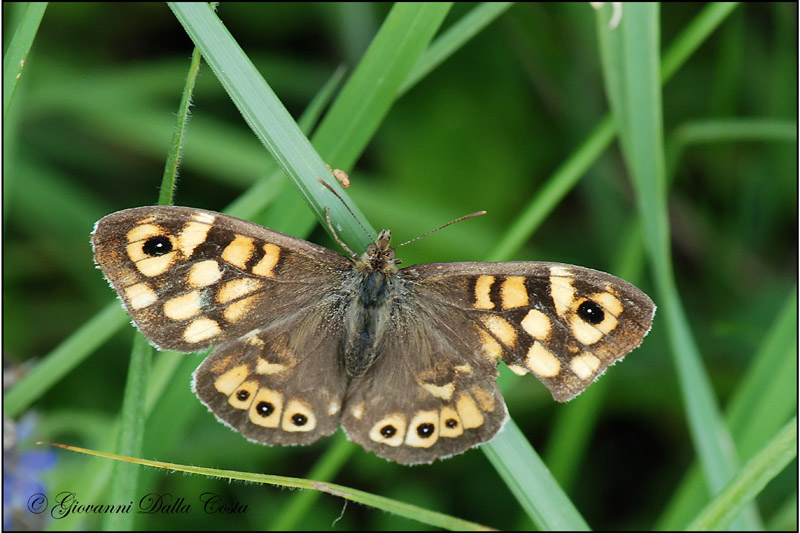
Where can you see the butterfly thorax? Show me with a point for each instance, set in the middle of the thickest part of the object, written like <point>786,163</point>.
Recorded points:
<point>369,312</point>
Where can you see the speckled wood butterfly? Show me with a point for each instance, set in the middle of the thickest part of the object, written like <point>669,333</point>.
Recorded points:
<point>306,339</point>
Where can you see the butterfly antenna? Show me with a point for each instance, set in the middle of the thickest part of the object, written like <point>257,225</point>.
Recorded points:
<point>465,217</point>
<point>335,236</point>
<point>326,184</point>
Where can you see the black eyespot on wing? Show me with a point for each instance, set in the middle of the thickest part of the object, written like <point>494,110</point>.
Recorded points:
<point>155,246</point>
<point>265,409</point>
<point>388,431</point>
<point>299,419</point>
<point>425,430</point>
<point>590,312</point>
<point>242,395</point>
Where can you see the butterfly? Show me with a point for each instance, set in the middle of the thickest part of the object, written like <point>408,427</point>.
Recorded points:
<point>404,359</point>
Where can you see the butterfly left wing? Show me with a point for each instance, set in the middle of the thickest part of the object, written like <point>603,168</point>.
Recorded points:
<point>563,323</point>
<point>432,392</point>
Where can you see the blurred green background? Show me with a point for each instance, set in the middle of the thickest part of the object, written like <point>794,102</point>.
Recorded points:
<point>88,132</point>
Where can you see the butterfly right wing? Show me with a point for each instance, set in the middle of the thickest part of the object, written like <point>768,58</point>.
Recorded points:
<point>192,278</point>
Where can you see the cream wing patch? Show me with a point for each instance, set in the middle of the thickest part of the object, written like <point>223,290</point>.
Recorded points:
<point>483,287</point>
<point>542,362</point>
<point>562,290</point>
<point>140,296</point>
<point>537,324</point>
<point>204,217</point>
<point>191,236</point>
<point>298,416</point>
<point>513,292</point>
<point>266,408</point>
<point>204,273</point>
<point>501,329</point>
<point>230,380</point>
<point>423,429</point>
<point>184,306</point>
<point>585,365</point>
<point>265,267</point>
<point>239,251</point>
<point>143,232</point>
<point>390,430</point>
<point>200,330</point>
<point>468,411</point>
<point>244,395</point>
<point>450,423</point>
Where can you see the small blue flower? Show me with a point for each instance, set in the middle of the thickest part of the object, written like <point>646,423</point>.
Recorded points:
<point>21,471</point>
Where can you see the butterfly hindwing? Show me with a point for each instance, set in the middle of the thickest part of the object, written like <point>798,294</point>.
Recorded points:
<point>431,394</point>
<point>278,385</point>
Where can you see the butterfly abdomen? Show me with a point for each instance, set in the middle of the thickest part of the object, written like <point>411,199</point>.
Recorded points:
<point>367,320</point>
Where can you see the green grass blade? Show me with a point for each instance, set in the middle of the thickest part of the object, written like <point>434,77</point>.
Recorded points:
<point>726,130</point>
<point>764,400</point>
<point>27,18</point>
<point>569,173</point>
<point>631,66</point>
<point>565,178</point>
<point>353,117</point>
<point>331,462</point>
<point>750,481</point>
<point>696,33</point>
<point>374,85</point>
<point>767,395</point>
<point>124,481</point>
<point>18,50</point>
<point>736,130</point>
<point>531,482</point>
<point>257,102</point>
<point>412,512</point>
<point>553,191</point>
<point>452,39</point>
<point>64,358</point>
<point>267,189</point>
<point>167,190</point>
<point>369,93</point>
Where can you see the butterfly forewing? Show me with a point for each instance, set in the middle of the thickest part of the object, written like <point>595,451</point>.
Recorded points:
<point>565,324</point>
<point>192,278</point>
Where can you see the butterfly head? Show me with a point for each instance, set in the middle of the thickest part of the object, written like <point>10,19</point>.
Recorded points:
<point>379,256</point>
